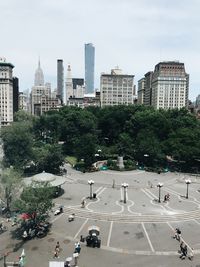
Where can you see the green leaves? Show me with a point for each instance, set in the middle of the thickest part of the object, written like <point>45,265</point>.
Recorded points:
<point>36,200</point>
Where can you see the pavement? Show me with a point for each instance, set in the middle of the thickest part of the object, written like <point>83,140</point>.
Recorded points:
<point>136,233</point>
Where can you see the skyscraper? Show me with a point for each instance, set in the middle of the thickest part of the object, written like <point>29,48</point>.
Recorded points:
<point>167,86</point>
<point>39,76</point>
<point>6,92</point>
<point>89,67</point>
<point>38,90</point>
<point>60,79</point>
<point>170,84</point>
<point>69,85</point>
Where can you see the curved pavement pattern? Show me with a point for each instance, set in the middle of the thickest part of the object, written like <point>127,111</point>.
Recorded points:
<point>142,219</point>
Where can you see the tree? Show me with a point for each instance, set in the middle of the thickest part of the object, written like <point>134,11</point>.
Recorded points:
<point>148,149</point>
<point>17,144</point>
<point>10,186</point>
<point>48,158</point>
<point>22,115</point>
<point>36,201</point>
<point>85,149</point>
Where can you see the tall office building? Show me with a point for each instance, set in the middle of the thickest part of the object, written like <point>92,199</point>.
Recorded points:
<point>6,92</point>
<point>141,91</point>
<point>170,84</point>
<point>167,86</point>
<point>78,87</point>
<point>148,88</point>
<point>117,88</point>
<point>38,90</point>
<point>39,76</point>
<point>89,67</point>
<point>69,85</point>
<point>15,94</point>
<point>60,80</point>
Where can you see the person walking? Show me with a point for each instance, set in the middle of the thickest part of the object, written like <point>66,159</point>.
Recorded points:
<point>57,247</point>
<point>78,248</point>
<point>181,247</point>
<point>177,234</point>
<point>57,250</point>
<point>184,252</point>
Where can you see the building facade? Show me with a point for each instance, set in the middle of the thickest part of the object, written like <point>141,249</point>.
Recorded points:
<point>6,92</point>
<point>117,88</point>
<point>38,91</point>
<point>69,93</point>
<point>89,67</point>
<point>148,88</point>
<point>60,80</point>
<point>170,84</point>
<point>15,94</point>
<point>165,87</point>
<point>141,91</point>
<point>23,101</point>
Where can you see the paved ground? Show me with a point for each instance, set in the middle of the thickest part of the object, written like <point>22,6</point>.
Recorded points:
<point>136,233</point>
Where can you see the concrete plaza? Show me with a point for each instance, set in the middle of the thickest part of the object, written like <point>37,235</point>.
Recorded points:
<point>136,233</point>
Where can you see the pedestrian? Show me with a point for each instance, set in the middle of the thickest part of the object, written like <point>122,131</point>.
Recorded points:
<point>57,247</point>
<point>77,248</point>
<point>56,255</point>
<point>184,252</point>
<point>181,247</point>
<point>177,234</point>
<point>83,202</point>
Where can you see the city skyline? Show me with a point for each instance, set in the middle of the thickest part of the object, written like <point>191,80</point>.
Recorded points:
<point>135,35</point>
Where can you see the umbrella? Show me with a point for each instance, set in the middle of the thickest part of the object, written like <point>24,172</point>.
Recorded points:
<point>69,259</point>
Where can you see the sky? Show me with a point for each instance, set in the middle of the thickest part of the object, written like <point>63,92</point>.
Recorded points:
<point>132,34</point>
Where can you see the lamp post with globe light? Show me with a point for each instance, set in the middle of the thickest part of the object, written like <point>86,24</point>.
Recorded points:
<point>125,186</point>
<point>159,185</point>
<point>90,182</point>
<point>187,181</point>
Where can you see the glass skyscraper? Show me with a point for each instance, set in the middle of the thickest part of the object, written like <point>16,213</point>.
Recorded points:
<point>89,67</point>
<point>60,79</point>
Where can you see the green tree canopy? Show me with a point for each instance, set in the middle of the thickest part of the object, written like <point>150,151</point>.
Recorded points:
<point>10,186</point>
<point>36,200</point>
<point>17,144</point>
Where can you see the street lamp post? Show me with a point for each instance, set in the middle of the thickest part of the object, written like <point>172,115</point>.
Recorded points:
<point>159,185</point>
<point>187,183</point>
<point>90,182</point>
<point>125,185</point>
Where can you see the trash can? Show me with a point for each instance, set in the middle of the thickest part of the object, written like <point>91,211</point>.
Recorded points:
<point>94,195</point>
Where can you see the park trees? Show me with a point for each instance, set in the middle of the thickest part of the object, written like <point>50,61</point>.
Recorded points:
<point>48,157</point>
<point>74,124</point>
<point>10,187</point>
<point>85,149</point>
<point>36,201</point>
<point>17,144</point>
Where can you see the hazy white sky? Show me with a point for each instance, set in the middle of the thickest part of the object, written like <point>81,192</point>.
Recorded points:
<point>133,34</point>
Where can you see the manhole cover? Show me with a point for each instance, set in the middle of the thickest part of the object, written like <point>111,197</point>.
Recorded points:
<point>34,248</point>
<point>144,205</point>
<point>105,203</point>
<point>50,239</point>
<point>139,235</point>
<point>126,233</point>
<point>66,241</point>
